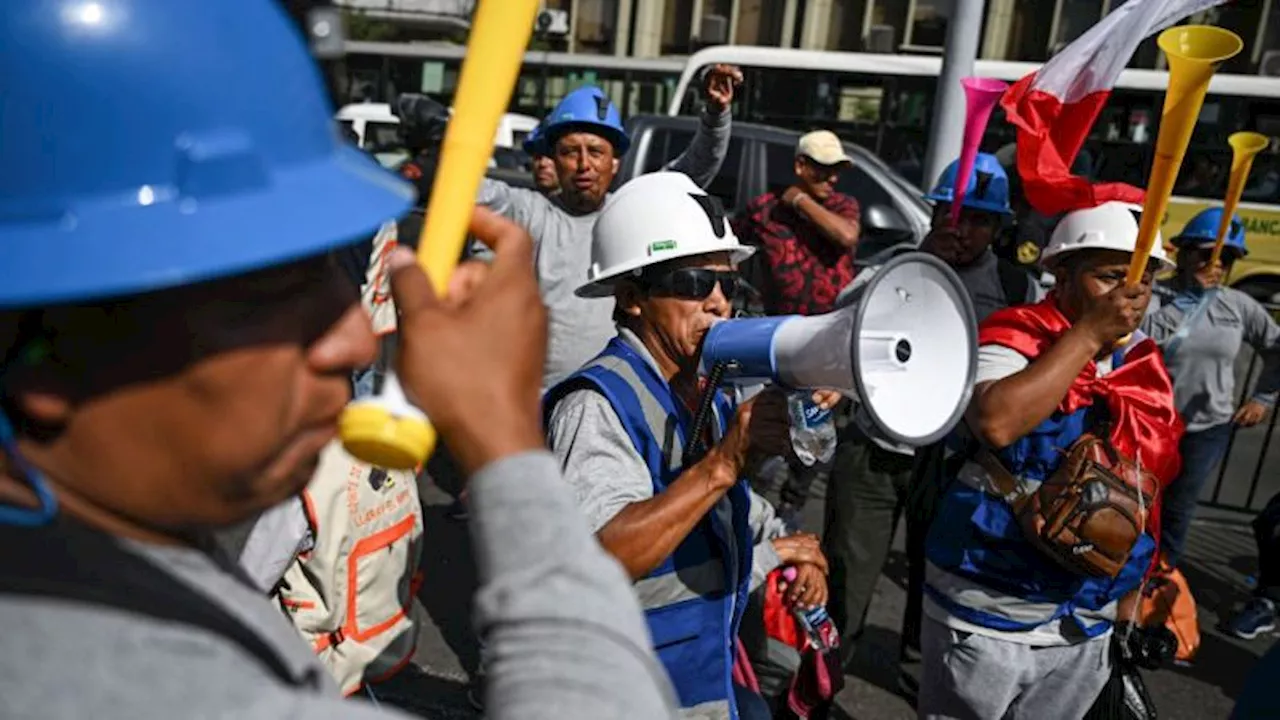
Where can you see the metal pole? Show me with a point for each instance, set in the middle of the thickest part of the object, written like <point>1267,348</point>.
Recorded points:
<point>1262,459</point>
<point>1231,440</point>
<point>963,31</point>
<point>543,110</point>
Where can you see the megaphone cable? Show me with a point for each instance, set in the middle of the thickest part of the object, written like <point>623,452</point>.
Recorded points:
<point>697,444</point>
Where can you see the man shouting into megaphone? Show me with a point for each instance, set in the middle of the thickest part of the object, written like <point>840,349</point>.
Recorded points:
<point>685,525</point>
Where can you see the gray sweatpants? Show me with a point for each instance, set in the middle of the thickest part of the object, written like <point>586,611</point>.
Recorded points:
<point>975,677</point>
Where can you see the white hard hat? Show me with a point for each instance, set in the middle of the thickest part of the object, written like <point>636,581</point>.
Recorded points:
<point>1109,226</point>
<point>652,219</point>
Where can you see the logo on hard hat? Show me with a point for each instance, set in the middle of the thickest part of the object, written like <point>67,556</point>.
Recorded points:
<point>1028,252</point>
<point>661,246</point>
<point>984,181</point>
<point>711,205</point>
<point>602,107</point>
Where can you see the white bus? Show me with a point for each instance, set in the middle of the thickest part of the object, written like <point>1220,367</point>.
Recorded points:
<point>885,103</point>
<point>378,71</point>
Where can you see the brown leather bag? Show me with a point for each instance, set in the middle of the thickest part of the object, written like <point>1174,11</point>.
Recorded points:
<point>1090,513</point>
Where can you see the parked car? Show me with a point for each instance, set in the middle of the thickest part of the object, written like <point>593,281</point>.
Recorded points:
<point>762,158</point>
<point>376,129</point>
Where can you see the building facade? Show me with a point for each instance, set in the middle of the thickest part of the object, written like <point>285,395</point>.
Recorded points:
<point>1027,30</point>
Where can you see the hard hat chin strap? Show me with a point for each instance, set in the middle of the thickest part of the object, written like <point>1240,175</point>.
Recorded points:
<point>48,503</point>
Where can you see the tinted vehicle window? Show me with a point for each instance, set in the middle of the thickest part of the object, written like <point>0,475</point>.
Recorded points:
<point>511,158</point>
<point>666,145</point>
<point>854,182</point>
<point>381,135</point>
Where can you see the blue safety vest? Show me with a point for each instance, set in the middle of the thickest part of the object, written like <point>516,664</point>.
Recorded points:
<point>693,601</point>
<point>985,571</point>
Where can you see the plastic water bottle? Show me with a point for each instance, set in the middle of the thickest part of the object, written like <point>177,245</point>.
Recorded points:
<point>813,431</point>
<point>818,626</point>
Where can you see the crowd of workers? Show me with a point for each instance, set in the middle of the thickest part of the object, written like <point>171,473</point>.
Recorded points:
<point>181,327</point>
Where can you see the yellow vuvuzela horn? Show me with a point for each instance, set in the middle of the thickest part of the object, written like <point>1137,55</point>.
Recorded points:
<point>1244,146</point>
<point>387,430</point>
<point>1194,53</point>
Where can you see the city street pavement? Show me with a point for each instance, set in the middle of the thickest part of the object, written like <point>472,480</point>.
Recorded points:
<point>1219,564</point>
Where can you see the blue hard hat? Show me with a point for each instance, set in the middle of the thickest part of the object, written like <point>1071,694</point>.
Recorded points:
<point>534,143</point>
<point>1202,230</point>
<point>156,143</point>
<point>988,186</point>
<point>587,109</point>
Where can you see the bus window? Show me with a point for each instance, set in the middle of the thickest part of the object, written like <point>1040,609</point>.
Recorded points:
<point>646,97</point>
<point>859,104</point>
<point>1122,161</point>
<point>1121,142</point>
<point>1204,172</point>
<point>911,104</point>
<point>904,131</point>
<point>666,145</point>
<point>781,97</point>
<point>1263,185</point>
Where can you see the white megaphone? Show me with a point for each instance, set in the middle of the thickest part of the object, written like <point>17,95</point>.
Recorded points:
<point>903,345</point>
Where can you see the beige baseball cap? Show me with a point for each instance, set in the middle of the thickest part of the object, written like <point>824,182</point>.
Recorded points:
<point>823,147</point>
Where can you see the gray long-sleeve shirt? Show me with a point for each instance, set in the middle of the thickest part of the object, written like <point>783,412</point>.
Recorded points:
<point>1203,362</point>
<point>565,633</point>
<point>578,328</point>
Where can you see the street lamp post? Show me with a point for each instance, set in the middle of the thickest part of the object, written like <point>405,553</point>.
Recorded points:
<point>947,128</point>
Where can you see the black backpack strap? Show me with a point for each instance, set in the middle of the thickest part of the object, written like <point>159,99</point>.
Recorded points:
<point>1014,282</point>
<point>69,561</point>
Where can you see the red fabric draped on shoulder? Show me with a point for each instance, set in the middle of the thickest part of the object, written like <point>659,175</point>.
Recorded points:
<point>1139,394</point>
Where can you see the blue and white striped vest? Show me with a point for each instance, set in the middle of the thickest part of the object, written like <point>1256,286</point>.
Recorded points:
<point>984,571</point>
<point>694,600</point>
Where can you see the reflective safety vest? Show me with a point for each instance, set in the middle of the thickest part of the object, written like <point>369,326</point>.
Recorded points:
<point>351,595</point>
<point>982,569</point>
<point>693,601</point>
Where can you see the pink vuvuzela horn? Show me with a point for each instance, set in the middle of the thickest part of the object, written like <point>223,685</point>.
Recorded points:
<point>980,97</point>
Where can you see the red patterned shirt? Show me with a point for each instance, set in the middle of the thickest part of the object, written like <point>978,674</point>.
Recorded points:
<point>804,270</point>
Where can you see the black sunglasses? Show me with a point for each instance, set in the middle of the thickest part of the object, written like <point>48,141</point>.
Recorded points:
<point>1228,257</point>
<point>821,169</point>
<point>692,283</point>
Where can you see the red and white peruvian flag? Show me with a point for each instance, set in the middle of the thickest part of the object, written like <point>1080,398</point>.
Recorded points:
<point>1055,107</point>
